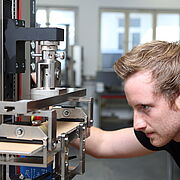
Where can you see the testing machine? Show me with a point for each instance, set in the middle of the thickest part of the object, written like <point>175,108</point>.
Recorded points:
<point>36,132</point>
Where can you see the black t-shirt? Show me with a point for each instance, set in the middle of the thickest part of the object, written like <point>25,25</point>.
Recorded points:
<point>172,147</point>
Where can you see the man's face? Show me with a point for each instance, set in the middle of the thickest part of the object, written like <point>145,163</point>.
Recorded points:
<point>152,114</point>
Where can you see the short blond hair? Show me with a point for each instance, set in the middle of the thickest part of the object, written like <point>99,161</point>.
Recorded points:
<point>162,59</point>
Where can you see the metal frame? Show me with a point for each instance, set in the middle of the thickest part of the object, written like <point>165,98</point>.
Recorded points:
<point>1,49</point>
<point>47,137</point>
<point>53,145</point>
<point>1,69</point>
<point>25,106</point>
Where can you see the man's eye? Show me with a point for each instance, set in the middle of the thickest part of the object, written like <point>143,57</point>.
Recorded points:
<point>145,107</point>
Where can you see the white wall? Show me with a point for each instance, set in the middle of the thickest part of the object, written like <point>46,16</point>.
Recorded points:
<point>88,22</point>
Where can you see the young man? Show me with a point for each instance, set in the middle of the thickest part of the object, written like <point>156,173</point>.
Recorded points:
<point>152,86</point>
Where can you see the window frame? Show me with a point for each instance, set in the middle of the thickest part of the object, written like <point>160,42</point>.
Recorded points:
<point>127,13</point>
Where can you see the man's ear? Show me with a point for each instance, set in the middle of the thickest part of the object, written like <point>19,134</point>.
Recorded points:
<point>177,102</point>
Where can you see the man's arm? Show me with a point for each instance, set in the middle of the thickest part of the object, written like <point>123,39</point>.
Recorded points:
<point>113,144</point>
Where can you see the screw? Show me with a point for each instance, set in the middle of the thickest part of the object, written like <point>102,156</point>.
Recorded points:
<point>16,22</point>
<point>19,132</point>
<point>33,45</point>
<point>23,65</point>
<point>54,145</point>
<point>50,56</point>
<point>91,122</point>
<point>66,113</point>
<point>33,66</point>
<point>21,176</point>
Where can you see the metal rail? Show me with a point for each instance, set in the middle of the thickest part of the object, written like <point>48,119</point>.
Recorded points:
<point>25,106</point>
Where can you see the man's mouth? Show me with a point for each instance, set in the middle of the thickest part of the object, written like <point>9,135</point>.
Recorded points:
<point>149,135</point>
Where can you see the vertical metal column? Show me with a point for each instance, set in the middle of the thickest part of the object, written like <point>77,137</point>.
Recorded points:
<point>7,167</point>
<point>64,157</point>
<point>51,129</point>
<point>1,67</point>
<point>33,43</point>
<point>67,56</point>
<point>1,54</point>
<point>15,12</point>
<point>58,164</point>
<point>26,81</point>
<point>82,130</point>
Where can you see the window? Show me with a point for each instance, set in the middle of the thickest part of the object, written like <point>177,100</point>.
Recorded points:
<point>135,22</point>
<point>168,27</point>
<point>41,18</point>
<point>121,41</point>
<point>140,29</point>
<point>121,22</point>
<point>135,39</point>
<point>121,30</point>
<point>112,37</point>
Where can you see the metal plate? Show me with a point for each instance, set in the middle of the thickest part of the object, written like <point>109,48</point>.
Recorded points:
<point>25,106</point>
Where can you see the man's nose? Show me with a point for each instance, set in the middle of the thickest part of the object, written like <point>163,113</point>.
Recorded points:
<point>139,122</point>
